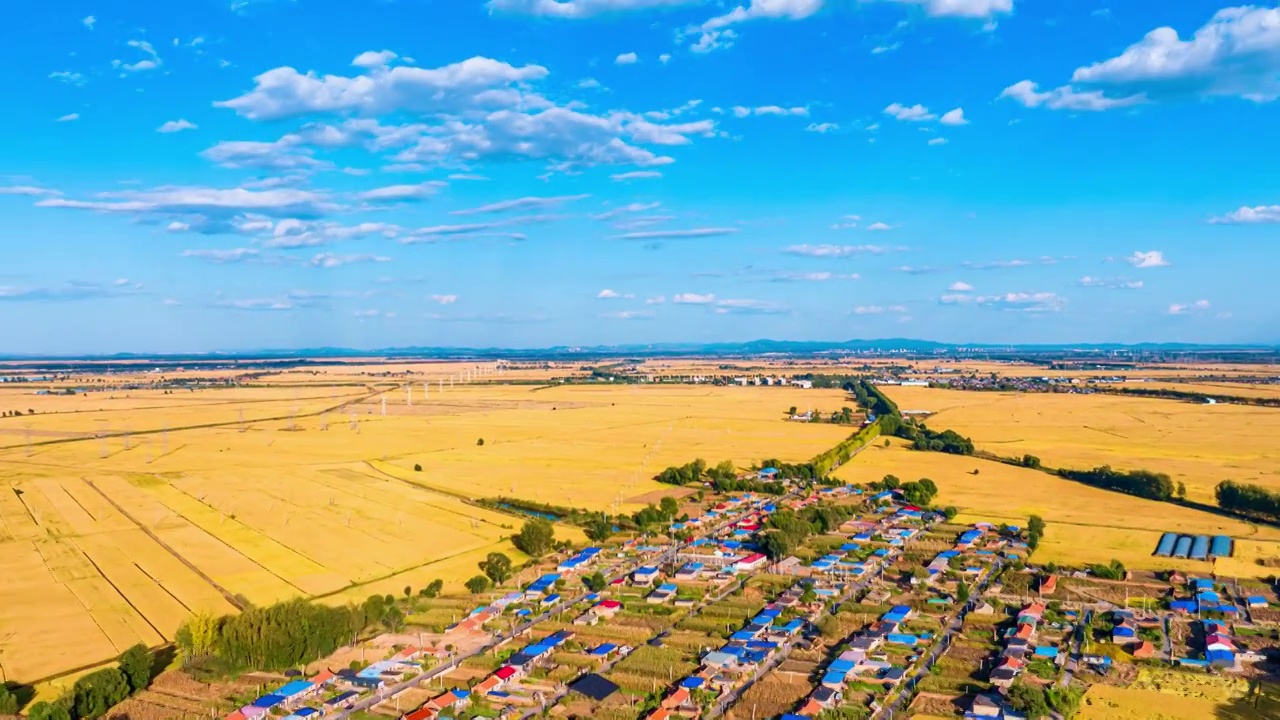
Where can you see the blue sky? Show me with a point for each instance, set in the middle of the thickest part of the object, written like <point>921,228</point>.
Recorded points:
<point>525,173</point>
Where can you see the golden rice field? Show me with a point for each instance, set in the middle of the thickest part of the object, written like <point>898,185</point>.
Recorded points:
<point>1085,524</point>
<point>1168,695</point>
<point>1200,445</point>
<point>275,492</point>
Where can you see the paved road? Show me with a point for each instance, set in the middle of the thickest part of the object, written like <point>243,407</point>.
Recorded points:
<point>907,691</point>
<point>390,691</point>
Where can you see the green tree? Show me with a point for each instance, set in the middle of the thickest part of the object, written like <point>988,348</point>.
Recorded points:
<point>535,538</point>
<point>950,512</point>
<point>1065,700</point>
<point>8,702</point>
<point>669,507</point>
<point>96,693</point>
<point>136,663</point>
<point>599,530</point>
<point>1035,525</point>
<point>497,567</point>
<point>1182,490</point>
<point>417,467</point>
<point>478,584</point>
<point>432,589</point>
<point>480,442</point>
<point>1029,699</point>
<point>791,411</point>
<point>962,592</point>
<point>48,711</point>
<point>595,582</point>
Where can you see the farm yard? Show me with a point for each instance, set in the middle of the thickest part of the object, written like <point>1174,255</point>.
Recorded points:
<point>217,496</point>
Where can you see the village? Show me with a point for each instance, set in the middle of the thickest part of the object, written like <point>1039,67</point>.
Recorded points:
<point>894,611</point>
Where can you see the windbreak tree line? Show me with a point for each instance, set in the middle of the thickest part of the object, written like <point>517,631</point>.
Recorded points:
<point>93,695</point>
<point>1252,500</point>
<point>1143,483</point>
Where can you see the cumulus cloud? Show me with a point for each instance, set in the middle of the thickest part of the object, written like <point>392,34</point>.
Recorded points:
<point>962,8</point>
<point>1148,259</point>
<point>203,204</point>
<point>1250,215</point>
<point>912,113</point>
<point>825,127</point>
<point>174,126</point>
<point>286,154</point>
<point>524,203</point>
<point>765,9</point>
<point>608,294</point>
<point>444,299</point>
<point>1198,306</point>
<point>149,63</point>
<point>953,117</point>
<point>88,21</point>
<point>374,59</point>
<point>1066,98</point>
<point>879,227</point>
<point>687,233</point>
<point>836,251</point>
<point>628,58</point>
<point>960,287</point>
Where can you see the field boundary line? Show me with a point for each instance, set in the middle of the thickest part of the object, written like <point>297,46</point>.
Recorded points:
<point>226,594</point>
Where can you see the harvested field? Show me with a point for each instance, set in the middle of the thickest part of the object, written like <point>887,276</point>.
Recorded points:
<point>771,696</point>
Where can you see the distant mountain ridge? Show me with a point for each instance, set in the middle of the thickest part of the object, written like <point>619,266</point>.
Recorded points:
<point>905,346</point>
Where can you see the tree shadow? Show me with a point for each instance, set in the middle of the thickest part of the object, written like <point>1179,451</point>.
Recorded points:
<point>24,693</point>
<point>162,659</point>
<point>1261,701</point>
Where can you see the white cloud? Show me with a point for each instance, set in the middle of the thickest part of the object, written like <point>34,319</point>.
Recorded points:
<point>765,9</point>
<point>171,302</point>
<point>608,294</point>
<point>836,251</point>
<point>879,227</point>
<point>630,315</point>
<point>88,21</point>
<point>204,208</point>
<point>635,175</point>
<point>690,233</point>
<point>953,117</point>
<point>913,113</point>
<point>878,309</point>
<point>332,260</point>
<point>589,84</point>
<point>468,176</point>
<point>1066,98</point>
<point>69,117</point>
<point>712,40</point>
<point>996,264</point>
<point>825,127</point>
<point>882,49</point>
<point>628,208</point>
<point>579,9</point>
<point>287,153</point>
<point>374,59</point>
<point>150,63</point>
<point>233,255</point>
<point>1111,283</point>
<point>436,232</point>
<point>749,307</point>
<point>664,58</point>
<point>27,190</point>
<point>1149,259</point>
<point>628,58</point>
<point>740,111</point>
<point>1189,308</point>
<point>938,141</point>
<point>444,299</point>
<point>1020,301</point>
<point>692,299</point>
<point>174,126</point>
<point>819,276</point>
<point>1235,54</point>
<point>655,300</point>
<point>1250,215</point>
<point>960,287</point>
<point>68,77</point>
<point>524,203</point>
<point>962,8</point>
<point>396,193</point>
